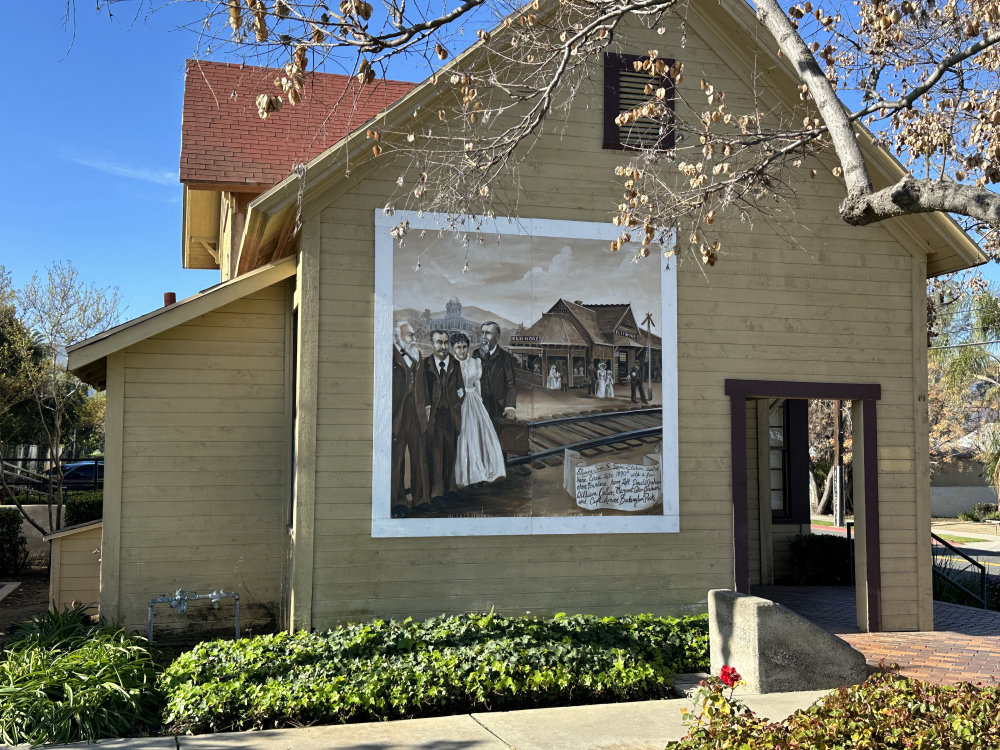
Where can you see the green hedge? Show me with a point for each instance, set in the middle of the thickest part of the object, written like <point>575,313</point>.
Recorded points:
<point>13,545</point>
<point>65,680</point>
<point>887,712</point>
<point>393,670</point>
<point>83,507</point>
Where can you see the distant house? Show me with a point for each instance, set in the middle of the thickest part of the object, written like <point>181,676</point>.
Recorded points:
<point>265,435</point>
<point>958,480</point>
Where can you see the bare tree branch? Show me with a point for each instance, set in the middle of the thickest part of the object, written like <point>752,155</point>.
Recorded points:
<point>830,107</point>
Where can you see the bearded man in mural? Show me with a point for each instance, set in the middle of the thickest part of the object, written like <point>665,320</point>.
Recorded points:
<point>498,388</point>
<point>409,421</point>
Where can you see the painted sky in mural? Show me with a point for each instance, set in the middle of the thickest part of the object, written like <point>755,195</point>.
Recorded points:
<point>517,276</point>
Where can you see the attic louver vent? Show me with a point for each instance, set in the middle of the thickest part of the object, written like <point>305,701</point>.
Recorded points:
<point>624,89</point>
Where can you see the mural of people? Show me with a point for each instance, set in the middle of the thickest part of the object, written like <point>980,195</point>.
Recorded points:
<point>409,420</point>
<point>446,389</point>
<point>498,387</point>
<point>479,456</point>
<point>635,380</point>
<point>483,415</point>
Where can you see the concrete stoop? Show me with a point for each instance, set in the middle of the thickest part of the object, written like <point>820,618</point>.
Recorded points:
<point>776,650</point>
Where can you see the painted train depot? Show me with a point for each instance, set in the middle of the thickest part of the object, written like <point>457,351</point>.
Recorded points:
<point>347,427</point>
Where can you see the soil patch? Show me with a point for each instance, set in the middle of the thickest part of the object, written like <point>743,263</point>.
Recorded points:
<point>29,599</point>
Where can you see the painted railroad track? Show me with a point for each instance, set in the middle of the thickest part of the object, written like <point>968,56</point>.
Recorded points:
<point>591,434</point>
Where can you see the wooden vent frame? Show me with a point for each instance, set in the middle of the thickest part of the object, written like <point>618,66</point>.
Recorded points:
<point>623,90</point>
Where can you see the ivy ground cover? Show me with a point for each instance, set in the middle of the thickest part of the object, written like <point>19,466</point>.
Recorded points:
<point>393,670</point>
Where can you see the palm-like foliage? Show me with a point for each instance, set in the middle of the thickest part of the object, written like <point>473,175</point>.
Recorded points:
<point>966,357</point>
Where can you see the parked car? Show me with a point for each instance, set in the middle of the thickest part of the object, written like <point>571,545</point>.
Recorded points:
<point>83,475</point>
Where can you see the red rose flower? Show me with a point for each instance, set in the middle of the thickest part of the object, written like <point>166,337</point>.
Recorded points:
<point>729,676</point>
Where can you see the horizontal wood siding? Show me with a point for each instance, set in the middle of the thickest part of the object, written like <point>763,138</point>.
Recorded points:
<point>76,569</point>
<point>205,450</point>
<point>801,296</point>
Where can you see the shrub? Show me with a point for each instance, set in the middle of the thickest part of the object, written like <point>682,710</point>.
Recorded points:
<point>887,712</point>
<point>981,512</point>
<point>391,670</point>
<point>65,680</point>
<point>13,545</point>
<point>820,560</point>
<point>83,507</point>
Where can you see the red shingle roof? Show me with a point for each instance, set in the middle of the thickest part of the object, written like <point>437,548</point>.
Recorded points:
<point>224,141</point>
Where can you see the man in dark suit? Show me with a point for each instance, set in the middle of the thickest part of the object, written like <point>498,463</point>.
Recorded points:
<point>497,385</point>
<point>445,390</point>
<point>409,421</point>
<point>635,380</point>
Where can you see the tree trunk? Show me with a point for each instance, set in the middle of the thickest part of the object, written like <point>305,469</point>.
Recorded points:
<point>823,506</point>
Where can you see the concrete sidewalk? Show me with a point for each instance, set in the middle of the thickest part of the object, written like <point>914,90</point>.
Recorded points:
<point>646,725</point>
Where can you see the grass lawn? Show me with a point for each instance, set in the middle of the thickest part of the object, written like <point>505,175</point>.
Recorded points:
<point>959,539</point>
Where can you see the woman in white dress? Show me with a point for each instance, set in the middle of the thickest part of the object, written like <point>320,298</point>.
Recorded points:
<point>602,381</point>
<point>479,457</point>
<point>553,382</point>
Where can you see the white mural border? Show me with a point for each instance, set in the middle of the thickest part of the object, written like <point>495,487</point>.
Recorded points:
<point>383,525</point>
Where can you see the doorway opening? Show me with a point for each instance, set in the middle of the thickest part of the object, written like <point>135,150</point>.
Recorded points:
<point>785,446</point>
<point>803,504</point>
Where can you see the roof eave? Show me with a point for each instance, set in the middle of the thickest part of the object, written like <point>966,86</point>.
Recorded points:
<point>88,359</point>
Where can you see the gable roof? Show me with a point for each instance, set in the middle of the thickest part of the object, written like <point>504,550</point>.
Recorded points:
<point>87,359</point>
<point>936,236</point>
<point>584,316</point>
<point>70,530</point>
<point>556,329</point>
<point>224,141</point>
<point>608,315</point>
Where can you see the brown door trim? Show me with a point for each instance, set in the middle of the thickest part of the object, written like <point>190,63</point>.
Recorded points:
<point>739,391</point>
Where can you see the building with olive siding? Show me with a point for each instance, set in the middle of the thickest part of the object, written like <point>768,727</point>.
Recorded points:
<point>252,432</point>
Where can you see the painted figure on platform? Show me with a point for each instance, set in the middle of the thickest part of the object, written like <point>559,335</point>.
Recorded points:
<point>553,380</point>
<point>605,382</point>
<point>635,380</point>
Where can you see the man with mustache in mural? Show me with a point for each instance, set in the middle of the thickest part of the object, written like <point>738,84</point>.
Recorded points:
<point>498,388</point>
<point>445,391</point>
<point>409,422</point>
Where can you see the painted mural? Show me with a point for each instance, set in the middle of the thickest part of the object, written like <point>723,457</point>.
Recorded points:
<point>525,381</point>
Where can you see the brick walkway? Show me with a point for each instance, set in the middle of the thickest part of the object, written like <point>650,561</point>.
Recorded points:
<point>964,646</point>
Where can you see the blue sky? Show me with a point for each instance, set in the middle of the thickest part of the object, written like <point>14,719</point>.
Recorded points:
<point>92,129</point>
<point>93,142</point>
<point>92,134</point>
